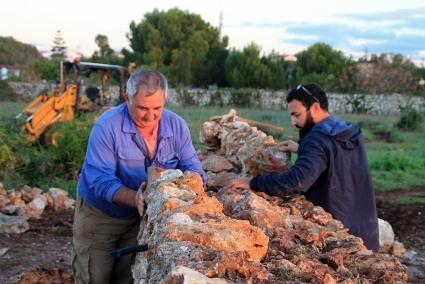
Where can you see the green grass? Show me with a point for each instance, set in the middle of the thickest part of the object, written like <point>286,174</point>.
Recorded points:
<point>396,162</point>
<point>406,200</point>
<point>9,109</point>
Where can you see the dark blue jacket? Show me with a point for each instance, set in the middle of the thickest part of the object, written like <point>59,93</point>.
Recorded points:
<point>332,171</point>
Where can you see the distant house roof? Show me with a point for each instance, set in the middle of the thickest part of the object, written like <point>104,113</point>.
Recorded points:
<point>290,57</point>
<point>10,67</point>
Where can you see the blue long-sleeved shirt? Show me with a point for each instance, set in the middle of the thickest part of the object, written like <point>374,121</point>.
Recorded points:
<point>117,156</point>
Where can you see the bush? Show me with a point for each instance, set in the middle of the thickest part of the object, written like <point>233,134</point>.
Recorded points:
<point>243,97</point>
<point>46,69</point>
<point>410,119</point>
<point>72,137</point>
<point>41,164</point>
<point>5,154</point>
<point>358,104</point>
<point>6,92</point>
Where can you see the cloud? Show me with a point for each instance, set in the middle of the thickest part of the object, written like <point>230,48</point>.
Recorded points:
<point>395,15</point>
<point>398,31</point>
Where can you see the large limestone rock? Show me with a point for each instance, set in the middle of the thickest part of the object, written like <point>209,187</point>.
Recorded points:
<point>243,145</point>
<point>217,181</point>
<point>216,163</point>
<point>13,224</point>
<point>185,227</point>
<point>35,208</point>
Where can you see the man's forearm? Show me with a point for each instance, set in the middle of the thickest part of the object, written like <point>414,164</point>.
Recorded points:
<point>125,196</point>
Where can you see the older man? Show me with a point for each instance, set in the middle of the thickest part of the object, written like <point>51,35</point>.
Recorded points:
<point>123,143</point>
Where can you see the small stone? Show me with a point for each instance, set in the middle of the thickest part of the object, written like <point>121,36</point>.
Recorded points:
<point>29,193</point>
<point>398,249</point>
<point>58,197</point>
<point>13,224</point>
<point>35,208</point>
<point>386,234</point>
<point>3,251</point>
<point>12,209</point>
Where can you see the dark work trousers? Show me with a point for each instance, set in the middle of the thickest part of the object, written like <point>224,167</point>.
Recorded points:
<point>95,235</point>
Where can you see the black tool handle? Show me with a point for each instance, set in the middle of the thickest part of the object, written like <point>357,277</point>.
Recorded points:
<point>117,253</point>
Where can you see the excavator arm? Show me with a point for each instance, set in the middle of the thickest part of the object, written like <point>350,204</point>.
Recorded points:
<point>48,109</point>
<point>63,103</point>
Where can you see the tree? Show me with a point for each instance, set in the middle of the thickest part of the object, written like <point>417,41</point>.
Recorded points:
<point>105,54</point>
<point>322,64</point>
<point>59,49</point>
<point>245,69</point>
<point>172,39</point>
<point>104,49</point>
<point>46,69</point>
<point>387,73</point>
<point>14,52</point>
<point>280,70</point>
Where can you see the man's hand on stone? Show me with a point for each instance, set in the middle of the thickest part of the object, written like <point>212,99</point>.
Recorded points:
<point>140,200</point>
<point>289,146</point>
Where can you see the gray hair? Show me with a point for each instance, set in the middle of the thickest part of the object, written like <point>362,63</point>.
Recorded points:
<point>147,81</point>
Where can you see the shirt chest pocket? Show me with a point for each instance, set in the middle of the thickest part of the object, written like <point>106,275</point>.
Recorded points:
<point>169,161</point>
<point>131,159</point>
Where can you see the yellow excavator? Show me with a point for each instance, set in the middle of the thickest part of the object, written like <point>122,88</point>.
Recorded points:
<point>66,99</point>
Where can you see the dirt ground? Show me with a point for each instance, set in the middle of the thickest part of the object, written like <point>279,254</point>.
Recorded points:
<point>48,243</point>
<point>407,220</point>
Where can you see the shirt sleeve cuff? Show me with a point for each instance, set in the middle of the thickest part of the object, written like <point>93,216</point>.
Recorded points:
<point>253,184</point>
<point>111,191</point>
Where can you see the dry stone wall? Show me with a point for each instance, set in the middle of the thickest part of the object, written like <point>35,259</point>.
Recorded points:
<point>227,235</point>
<point>380,104</point>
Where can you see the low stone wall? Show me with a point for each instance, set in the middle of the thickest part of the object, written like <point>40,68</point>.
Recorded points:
<point>218,234</point>
<point>263,99</point>
<point>28,91</point>
<point>266,99</point>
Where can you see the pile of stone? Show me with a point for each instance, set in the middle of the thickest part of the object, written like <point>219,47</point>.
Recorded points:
<point>227,235</point>
<point>188,233</point>
<point>236,149</point>
<point>17,206</point>
<point>239,235</point>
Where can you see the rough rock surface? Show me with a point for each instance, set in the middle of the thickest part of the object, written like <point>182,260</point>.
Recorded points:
<point>13,224</point>
<point>237,235</point>
<point>246,147</point>
<point>185,227</point>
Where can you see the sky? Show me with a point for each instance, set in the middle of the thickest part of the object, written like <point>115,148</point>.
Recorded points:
<point>352,26</point>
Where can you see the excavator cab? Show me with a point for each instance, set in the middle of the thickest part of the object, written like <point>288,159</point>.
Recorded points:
<point>68,98</point>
